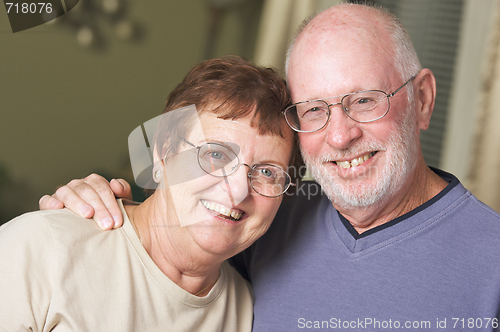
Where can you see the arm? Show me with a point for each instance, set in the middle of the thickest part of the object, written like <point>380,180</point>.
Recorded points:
<point>27,260</point>
<point>91,196</point>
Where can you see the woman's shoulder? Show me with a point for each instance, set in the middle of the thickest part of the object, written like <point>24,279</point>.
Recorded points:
<point>54,238</point>
<point>32,240</point>
<point>48,224</point>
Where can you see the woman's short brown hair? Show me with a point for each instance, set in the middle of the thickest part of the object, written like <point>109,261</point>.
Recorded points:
<point>230,87</point>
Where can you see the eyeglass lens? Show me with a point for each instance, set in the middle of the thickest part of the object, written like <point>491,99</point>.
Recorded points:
<point>269,180</point>
<point>217,160</point>
<point>220,161</point>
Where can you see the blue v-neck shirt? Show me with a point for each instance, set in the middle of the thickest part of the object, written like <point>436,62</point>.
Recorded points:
<point>435,268</point>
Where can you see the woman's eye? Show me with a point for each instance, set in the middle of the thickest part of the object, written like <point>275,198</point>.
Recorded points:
<point>266,172</point>
<point>216,155</point>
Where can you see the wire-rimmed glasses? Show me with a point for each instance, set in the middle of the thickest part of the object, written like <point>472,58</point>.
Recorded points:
<point>220,160</point>
<point>362,106</point>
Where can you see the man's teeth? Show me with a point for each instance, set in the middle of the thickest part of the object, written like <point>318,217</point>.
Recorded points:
<point>355,162</point>
<point>222,210</point>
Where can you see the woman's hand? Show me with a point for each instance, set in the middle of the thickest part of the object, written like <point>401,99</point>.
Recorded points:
<point>91,197</point>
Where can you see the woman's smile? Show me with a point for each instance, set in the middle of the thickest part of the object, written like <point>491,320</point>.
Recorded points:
<point>222,211</point>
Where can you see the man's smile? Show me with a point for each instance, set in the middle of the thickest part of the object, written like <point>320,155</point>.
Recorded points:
<point>356,161</point>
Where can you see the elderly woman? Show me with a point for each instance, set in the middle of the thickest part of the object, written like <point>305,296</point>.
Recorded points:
<point>220,176</point>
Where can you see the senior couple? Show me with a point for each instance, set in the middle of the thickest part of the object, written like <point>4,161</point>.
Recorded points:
<point>392,243</point>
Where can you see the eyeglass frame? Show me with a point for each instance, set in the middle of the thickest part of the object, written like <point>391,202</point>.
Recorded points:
<point>342,106</point>
<point>249,174</point>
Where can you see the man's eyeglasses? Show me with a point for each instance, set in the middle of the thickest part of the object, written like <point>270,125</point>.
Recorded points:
<point>219,160</point>
<point>362,106</point>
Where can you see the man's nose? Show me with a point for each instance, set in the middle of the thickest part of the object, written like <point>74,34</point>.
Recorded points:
<point>341,130</point>
<point>237,185</point>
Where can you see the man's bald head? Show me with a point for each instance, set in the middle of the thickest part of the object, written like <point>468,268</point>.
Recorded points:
<point>370,24</point>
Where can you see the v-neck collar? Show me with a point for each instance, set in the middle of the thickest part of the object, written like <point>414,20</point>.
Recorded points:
<point>401,227</point>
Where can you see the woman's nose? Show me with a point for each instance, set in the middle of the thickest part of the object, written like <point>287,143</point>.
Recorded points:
<point>236,185</point>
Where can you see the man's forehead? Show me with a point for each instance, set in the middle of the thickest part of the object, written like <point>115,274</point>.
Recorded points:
<point>341,34</point>
<point>345,17</point>
<point>328,69</point>
<point>334,55</point>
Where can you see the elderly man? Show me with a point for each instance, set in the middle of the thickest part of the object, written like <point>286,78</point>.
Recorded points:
<point>394,244</point>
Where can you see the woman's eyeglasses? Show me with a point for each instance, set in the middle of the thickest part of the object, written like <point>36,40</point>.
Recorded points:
<point>219,160</point>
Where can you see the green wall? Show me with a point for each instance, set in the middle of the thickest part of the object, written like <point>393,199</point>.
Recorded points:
<point>66,111</point>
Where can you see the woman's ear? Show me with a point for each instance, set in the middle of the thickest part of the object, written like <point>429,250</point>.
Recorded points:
<point>159,167</point>
<point>424,91</point>
<point>158,171</point>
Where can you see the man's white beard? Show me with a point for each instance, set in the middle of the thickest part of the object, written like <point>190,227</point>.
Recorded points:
<point>360,194</point>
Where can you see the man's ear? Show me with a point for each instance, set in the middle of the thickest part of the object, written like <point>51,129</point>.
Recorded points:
<point>424,91</point>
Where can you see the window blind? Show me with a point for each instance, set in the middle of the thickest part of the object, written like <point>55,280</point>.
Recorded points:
<point>434,26</point>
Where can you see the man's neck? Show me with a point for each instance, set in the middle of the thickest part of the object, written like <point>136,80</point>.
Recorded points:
<point>424,185</point>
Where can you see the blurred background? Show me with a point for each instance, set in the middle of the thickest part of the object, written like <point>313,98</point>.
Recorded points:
<point>73,89</point>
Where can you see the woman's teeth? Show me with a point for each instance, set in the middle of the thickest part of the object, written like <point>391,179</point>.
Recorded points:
<point>235,214</point>
<point>356,161</point>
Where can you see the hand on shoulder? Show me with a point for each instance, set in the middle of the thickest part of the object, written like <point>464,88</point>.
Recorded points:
<point>90,197</point>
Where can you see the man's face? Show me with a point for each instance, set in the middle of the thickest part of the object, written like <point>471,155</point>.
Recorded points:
<point>357,164</point>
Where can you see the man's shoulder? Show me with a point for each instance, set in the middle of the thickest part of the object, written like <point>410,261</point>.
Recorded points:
<point>475,209</point>
<point>302,208</point>
<point>457,200</point>
<point>299,212</point>
<point>306,195</point>
<point>460,214</point>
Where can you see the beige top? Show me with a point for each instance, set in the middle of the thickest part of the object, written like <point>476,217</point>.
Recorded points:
<point>60,272</point>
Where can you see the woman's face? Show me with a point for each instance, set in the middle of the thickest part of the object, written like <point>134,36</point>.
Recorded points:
<point>201,202</point>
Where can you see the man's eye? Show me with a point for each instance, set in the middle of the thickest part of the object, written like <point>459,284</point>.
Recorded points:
<point>361,101</point>
<point>362,104</point>
<point>314,112</point>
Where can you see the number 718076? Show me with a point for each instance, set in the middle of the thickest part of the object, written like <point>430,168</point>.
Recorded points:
<point>31,8</point>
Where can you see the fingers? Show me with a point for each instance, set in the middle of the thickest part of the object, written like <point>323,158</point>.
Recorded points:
<point>49,203</point>
<point>121,188</point>
<point>69,195</point>
<point>89,197</point>
<point>96,191</point>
